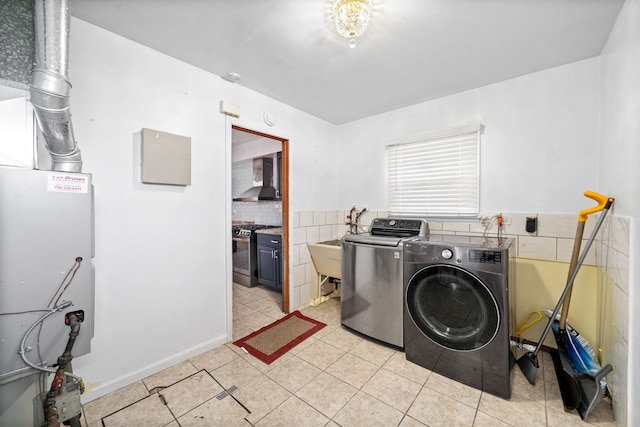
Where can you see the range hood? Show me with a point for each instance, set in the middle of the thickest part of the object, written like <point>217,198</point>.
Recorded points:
<point>262,182</point>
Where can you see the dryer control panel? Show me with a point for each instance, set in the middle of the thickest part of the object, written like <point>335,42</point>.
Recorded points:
<point>485,257</point>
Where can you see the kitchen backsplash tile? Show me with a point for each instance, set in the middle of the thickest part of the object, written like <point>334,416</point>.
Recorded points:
<point>263,212</point>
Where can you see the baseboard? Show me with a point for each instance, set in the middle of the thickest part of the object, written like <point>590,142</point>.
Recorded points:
<point>110,386</point>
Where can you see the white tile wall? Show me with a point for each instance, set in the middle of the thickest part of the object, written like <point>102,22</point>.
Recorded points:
<point>612,257</point>
<point>553,240</point>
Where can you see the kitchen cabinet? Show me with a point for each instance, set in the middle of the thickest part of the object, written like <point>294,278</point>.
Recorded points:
<point>269,258</point>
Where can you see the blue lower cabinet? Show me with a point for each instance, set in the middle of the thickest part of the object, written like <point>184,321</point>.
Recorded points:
<point>270,261</point>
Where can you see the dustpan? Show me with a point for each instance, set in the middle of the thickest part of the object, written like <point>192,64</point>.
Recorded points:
<point>580,378</point>
<point>583,381</point>
<point>528,363</point>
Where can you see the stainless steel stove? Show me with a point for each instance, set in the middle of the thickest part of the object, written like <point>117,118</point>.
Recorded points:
<point>245,266</point>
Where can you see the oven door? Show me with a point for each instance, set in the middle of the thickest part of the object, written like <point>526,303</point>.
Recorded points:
<point>452,307</point>
<point>241,255</point>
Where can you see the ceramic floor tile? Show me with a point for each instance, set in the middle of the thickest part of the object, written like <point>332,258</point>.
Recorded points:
<point>293,412</point>
<point>485,420</point>
<point>563,419</point>
<point>261,397</point>
<point>365,410</point>
<point>407,421</point>
<point>372,352</point>
<point>327,394</point>
<point>236,373</point>
<point>190,392</point>
<point>151,410</point>
<point>552,396</point>
<point>241,310</point>
<point>255,321</point>
<point>295,374</point>
<point>260,304</point>
<point>526,412</point>
<point>319,396</point>
<point>392,389</point>
<point>435,409</point>
<point>263,367</point>
<point>353,370</point>
<point>520,385</point>
<point>239,331</point>
<point>304,344</point>
<point>399,364</point>
<point>222,410</point>
<point>320,354</point>
<point>213,359</point>
<point>169,376</point>
<point>339,337</point>
<point>95,410</point>
<point>273,310</point>
<point>455,390</point>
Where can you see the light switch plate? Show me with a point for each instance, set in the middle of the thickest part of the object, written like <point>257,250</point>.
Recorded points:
<point>165,158</point>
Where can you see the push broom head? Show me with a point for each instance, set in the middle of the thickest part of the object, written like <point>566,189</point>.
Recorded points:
<point>529,366</point>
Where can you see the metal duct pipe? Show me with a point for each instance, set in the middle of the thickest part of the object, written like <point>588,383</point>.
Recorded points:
<point>49,85</point>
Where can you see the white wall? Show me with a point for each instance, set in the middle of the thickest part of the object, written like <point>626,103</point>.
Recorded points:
<point>539,146</point>
<point>619,151</point>
<point>161,251</point>
<point>162,255</point>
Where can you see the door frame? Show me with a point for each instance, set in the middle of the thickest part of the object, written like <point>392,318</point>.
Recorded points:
<point>284,189</point>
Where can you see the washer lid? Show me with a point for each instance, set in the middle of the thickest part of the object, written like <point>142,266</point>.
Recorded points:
<point>368,239</point>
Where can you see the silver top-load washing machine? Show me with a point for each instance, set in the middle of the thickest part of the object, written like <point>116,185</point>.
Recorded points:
<point>372,295</point>
<point>458,309</point>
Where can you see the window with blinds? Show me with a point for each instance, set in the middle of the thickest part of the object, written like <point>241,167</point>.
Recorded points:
<point>436,174</point>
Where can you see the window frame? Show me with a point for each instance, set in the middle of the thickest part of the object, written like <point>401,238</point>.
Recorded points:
<point>459,148</point>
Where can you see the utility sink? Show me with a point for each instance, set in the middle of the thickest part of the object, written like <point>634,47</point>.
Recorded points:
<point>326,262</point>
<point>327,257</point>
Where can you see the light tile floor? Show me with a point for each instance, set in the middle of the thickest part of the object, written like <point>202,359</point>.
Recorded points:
<point>334,378</point>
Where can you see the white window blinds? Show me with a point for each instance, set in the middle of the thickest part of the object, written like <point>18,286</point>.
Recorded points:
<point>436,174</point>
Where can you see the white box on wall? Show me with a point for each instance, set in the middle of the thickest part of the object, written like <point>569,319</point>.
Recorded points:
<point>165,158</point>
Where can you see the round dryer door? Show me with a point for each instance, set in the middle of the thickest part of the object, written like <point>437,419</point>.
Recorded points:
<point>452,307</point>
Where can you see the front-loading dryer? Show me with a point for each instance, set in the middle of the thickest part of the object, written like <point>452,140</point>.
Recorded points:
<point>456,318</point>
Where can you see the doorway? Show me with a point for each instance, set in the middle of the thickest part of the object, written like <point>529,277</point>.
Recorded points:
<point>248,145</point>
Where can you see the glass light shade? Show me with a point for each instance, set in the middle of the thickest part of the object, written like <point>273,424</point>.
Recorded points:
<point>352,17</point>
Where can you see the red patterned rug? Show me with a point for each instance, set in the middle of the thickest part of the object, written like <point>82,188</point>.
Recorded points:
<point>274,340</point>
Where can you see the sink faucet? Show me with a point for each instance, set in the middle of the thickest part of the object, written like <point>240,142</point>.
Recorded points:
<point>358,218</point>
<point>351,222</point>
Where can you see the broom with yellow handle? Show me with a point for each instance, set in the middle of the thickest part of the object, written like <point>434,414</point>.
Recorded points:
<point>528,363</point>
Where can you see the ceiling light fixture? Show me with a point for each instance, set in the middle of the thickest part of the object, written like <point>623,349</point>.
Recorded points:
<point>351,18</point>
